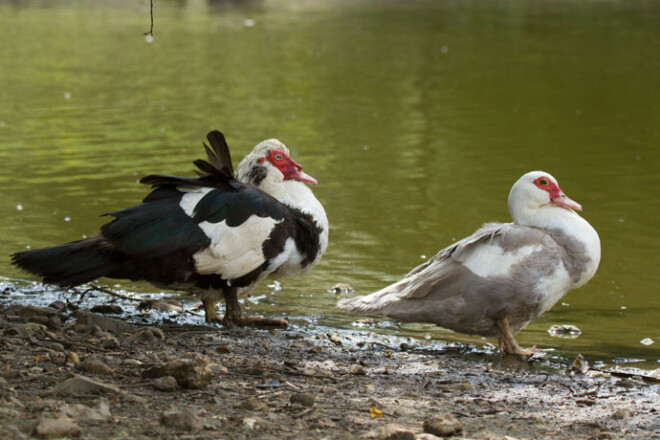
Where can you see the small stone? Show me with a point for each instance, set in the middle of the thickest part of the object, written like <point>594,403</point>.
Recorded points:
<point>58,305</point>
<point>456,386</point>
<point>95,366</point>
<point>252,423</point>
<point>391,431</point>
<point>107,309</point>
<point>564,331</point>
<point>166,384</point>
<point>622,413</point>
<point>580,365</point>
<point>427,436</point>
<point>192,371</point>
<point>72,358</point>
<point>56,428</point>
<point>112,325</point>
<point>79,412</point>
<point>253,404</point>
<point>110,343</point>
<point>443,425</point>
<point>358,370</point>
<point>170,305</point>
<point>54,322</point>
<point>303,399</point>
<point>56,346</point>
<point>83,386</point>
<point>148,335</point>
<point>335,339</point>
<point>182,420</point>
<point>57,357</point>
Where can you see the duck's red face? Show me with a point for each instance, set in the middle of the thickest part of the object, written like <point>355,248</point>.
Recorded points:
<point>287,166</point>
<point>557,196</point>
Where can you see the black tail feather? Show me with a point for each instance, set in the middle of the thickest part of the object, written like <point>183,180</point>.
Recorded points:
<point>69,264</point>
<point>217,172</point>
<point>219,157</point>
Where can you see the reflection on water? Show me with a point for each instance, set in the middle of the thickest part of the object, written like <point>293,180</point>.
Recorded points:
<point>416,117</point>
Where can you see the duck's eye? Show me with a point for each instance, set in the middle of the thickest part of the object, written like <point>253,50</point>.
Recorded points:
<point>278,156</point>
<point>543,182</point>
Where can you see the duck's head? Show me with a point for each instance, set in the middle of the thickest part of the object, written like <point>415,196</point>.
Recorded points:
<point>535,192</point>
<point>270,160</point>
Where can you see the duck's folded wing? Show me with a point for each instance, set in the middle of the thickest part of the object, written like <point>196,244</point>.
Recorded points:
<point>493,254</point>
<point>224,232</point>
<point>489,258</point>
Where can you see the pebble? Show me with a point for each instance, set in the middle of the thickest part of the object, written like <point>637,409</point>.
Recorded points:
<point>335,339</point>
<point>88,320</point>
<point>110,343</point>
<point>148,335</point>
<point>107,309</point>
<point>57,357</point>
<point>54,322</point>
<point>166,384</point>
<point>162,305</point>
<point>443,425</point>
<point>358,370</point>
<point>192,371</point>
<point>580,365</point>
<point>392,431</point>
<point>95,366</point>
<point>303,399</point>
<point>253,404</point>
<point>182,420</point>
<point>83,386</point>
<point>622,413</point>
<point>252,423</point>
<point>56,428</point>
<point>80,412</point>
<point>72,358</point>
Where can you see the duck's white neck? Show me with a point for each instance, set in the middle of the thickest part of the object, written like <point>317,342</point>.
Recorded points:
<point>570,230</point>
<point>299,196</point>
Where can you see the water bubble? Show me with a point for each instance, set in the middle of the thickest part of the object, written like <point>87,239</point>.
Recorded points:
<point>248,22</point>
<point>27,246</point>
<point>19,207</point>
<point>149,38</point>
<point>423,257</point>
<point>647,341</point>
<point>565,304</point>
<point>623,307</point>
<point>67,95</point>
<point>67,219</point>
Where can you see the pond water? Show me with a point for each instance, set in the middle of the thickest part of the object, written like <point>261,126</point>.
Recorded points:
<point>416,117</point>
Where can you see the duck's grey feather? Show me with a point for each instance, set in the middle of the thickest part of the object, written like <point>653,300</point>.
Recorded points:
<point>455,292</point>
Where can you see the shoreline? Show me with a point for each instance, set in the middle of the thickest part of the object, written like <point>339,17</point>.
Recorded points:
<point>86,375</point>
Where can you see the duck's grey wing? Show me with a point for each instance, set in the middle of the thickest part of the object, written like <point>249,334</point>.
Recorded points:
<point>478,274</point>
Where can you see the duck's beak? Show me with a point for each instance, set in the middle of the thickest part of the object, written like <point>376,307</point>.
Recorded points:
<point>298,174</point>
<point>560,199</point>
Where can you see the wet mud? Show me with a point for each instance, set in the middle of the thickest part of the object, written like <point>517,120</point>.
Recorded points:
<point>103,368</point>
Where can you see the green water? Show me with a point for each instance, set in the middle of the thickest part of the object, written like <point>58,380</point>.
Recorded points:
<point>415,117</point>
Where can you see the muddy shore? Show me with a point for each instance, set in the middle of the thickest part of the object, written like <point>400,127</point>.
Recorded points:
<point>67,372</point>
